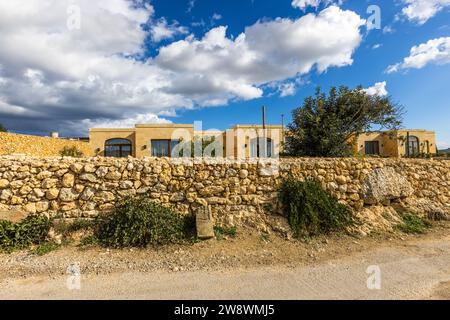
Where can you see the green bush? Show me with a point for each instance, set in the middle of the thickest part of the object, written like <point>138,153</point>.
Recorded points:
<point>45,248</point>
<point>311,210</point>
<point>219,232</point>
<point>33,230</point>
<point>138,222</point>
<point>414,224</point>
<point>71,152</point>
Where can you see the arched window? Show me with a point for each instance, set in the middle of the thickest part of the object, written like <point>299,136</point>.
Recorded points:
<point>257,149</point>
<point>118,148</point>
<point>412,146</point>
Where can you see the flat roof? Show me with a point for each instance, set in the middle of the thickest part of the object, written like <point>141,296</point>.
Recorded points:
<point>399,130</point>
<point>269,126</point>
<point>113,129</point>
<point>164,125</point>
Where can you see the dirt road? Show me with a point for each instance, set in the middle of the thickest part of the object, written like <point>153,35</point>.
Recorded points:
<point>420,268</point>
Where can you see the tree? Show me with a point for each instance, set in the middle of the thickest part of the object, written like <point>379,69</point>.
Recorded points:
<point>326,126</point>
<point>2,128</point>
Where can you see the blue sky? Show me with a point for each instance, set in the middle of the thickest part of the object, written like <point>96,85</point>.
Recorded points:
<point>89,80</point>
<point>425,93</point>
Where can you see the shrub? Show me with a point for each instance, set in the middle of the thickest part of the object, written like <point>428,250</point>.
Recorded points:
<point>71,152</point>
<point>18,236</point>
<point>219,232</point>
<point>414,224</point>
<point>311,210</point>
<point>138,222</point>
<point>45,247</point>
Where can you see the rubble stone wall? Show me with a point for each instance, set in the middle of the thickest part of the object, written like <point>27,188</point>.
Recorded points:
<point>11,143</point>
<point>237,192</point>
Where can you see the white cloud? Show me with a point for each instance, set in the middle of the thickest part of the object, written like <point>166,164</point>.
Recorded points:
<point>191,5</point>
<point>241,65</point>
<point>216,16</point>
<point>303,4</point>
<point>128,122</point>
<point>53,77</point>
<point>422,10</point>
<point>388,29</point>
<point>288,89</point>
<point>161,30</point>
<point>377,46</point>
<point>435,51</point>
<point>378,89</point>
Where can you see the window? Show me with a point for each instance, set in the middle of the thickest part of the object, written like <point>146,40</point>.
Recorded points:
<point>257,148</point>
<point>372,148</point>
<point>118,148</point>
<point>163,147</point>
<point>412,146</point>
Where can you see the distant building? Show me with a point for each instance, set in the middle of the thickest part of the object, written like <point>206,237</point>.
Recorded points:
<point>242,141</point>
<point>165,140</point>
<point>397,143</point>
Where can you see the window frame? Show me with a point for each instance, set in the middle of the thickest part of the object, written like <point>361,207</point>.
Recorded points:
<point>171,144</point>
<point>123,143</point>
<point>257,144</point>
<point>372,148</point>
<point>412,144</point>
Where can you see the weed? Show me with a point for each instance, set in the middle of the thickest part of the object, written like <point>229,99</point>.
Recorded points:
<point>220,232</point>
<point>311,210</point>
<point>44,248</point>
<point>71,152</point>
<point>33,230</point>
<point>138,222</point>
<point>414,224</point>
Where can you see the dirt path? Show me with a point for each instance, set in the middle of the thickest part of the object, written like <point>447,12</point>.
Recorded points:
<point>413,268</point>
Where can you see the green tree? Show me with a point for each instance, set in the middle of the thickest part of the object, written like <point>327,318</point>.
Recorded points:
<point>326,125</point>
<point>2,128</point>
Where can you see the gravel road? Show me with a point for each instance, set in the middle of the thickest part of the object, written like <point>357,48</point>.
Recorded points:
<point>418,270</point>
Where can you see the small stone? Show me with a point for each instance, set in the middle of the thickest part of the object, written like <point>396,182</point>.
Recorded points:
<point>68,180</point>
<point>44,175</point>
<point>89,168</point>
<point>42,206</point>
<point>52,194</point>
<point>88,177</point>
<point>4,183</point>
<point>30,207</point>
<point>341,180</point>
<point>243,173</point>
<point>76,167</point>
<point>68,194</point>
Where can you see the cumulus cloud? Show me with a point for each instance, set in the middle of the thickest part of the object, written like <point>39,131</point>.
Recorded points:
<point>128,122</point>
<point>422,10</point>
<point>55,78</point>
<point>288,89</point>
<point>52,75</point>
<point>241,65</point>
<point>435,51</point>
<point>161,30</point>
<point>378,89</point>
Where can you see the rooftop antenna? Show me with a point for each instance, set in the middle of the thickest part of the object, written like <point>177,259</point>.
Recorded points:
<point>264,117</point>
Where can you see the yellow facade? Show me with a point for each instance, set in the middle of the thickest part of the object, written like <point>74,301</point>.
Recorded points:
<point>394,143</point>
<point>245,141</point>
<point>238,142</point>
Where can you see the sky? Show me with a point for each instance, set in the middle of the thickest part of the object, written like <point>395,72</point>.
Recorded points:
<point>71,65</point>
